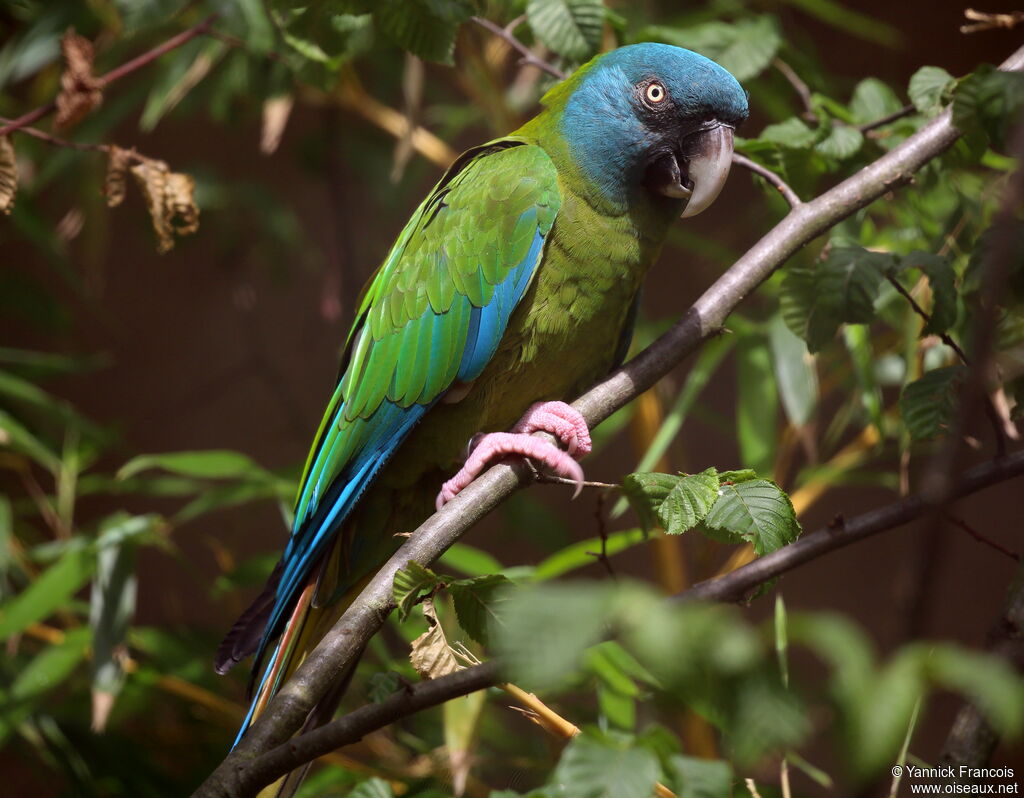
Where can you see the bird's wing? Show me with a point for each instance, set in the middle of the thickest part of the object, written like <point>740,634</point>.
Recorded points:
<point>432,315</point>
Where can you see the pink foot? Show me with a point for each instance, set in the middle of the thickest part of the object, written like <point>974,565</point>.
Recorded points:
<point>555,418</point>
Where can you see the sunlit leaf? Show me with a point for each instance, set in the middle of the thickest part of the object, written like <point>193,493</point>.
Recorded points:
<point>757,404</point>
<point>49,591</point>
<point>745,47</point>
<point>425,28</point>
<point>411,583</point>
<point>700,778</point>
<point>475,600</point>
<point>756,511</point>
<point>795,373</point>
<point>930,89</point>
<point>212,464</point>
<point>873,100</point>
<point>842,142</point>
<point>990,100</point>
<point>598,767</point>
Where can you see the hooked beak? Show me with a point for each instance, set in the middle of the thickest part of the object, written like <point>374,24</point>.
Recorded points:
<point>697,171</point>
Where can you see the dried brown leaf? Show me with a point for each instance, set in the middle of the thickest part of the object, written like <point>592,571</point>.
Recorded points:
<point>8,175</point>
<point>114,187</point>
<point>152,179</point>
<point>431,655</point>
<point>179,203</point>
<point>80,90</point>
<point>170,200</point>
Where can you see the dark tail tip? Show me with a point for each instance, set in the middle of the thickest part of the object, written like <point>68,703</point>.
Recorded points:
<point>245,634</point>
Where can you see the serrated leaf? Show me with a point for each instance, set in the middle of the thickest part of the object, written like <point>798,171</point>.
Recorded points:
<point>841,289</point>
<point>927,405</point>
<point>571,28</point>
<point>425,28</point>
<point>757,511</point>
<point>410,584</point>
<point>942,280</point>
<point>688,502</point>
<point>700,778</point>
<point>475,601</point>
<point>930,89</point>
<point>795,373</point>
<point>841,143</point>
<point>645,492</point>
<point>990,100</point>
<point>431,655</point>
<point>872,100</point>
<point>745,48</point>
<point>596,768</point>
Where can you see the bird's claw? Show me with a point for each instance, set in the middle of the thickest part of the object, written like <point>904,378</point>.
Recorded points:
<point>555,418</point>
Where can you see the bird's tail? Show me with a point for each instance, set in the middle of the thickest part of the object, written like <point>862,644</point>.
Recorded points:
<point>315,611</point>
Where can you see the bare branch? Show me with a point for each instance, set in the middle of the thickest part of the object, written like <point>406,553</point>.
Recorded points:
<point>361,620</point>
<point>734,586</point>
<point>772,178</point>
<point>528,57</point>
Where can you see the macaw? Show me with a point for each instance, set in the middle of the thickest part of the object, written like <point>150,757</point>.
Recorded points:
<point>512,288</point>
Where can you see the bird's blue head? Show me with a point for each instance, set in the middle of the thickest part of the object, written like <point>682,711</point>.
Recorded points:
<point>652,117</point>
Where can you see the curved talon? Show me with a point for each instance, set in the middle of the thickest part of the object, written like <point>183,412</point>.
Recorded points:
<point>556,418</point>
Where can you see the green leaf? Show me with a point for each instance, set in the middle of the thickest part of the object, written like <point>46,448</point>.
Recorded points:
<point>572,28</point>
<point>546,629</point>
<point>212,464</point>
<point>111,607</point>
<point>990,100</point>
<point>841,289</point>
<point>745,48</point>
<point>757,511</point>
<point>792,133</point>
<point>372,788</point>
<point>872,100</point>
<point>689,501</point>
<point>942,279</point>
<point>425,28</point>
<point>929,404</point>
<point>795,373</point>
<point>757,404</point>
<point>17,437</point>
<point>469,560</point>
<point>700,778</point>
<point>578,555</point>
<point>676,504</point>
<point>858,343</point>
<point>645,493</point>
<point>930,89</point>
<point>49,591</point>
<point>474,601</point>
<point>597,767</point>
<point>411,583</point>
<point>380,685</point>
<point>842,142</point>
<point>987,681</point>
<point>42,674</point>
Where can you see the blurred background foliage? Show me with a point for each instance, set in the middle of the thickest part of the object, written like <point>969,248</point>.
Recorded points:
<point>310,132</point>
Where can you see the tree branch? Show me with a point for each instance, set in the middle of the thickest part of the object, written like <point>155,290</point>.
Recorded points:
<point>735,585</point>
<point>249,779</point>
<point>288,710</point>
<point>773,179</point>
<point>528,57</point>
<point>118,72</point>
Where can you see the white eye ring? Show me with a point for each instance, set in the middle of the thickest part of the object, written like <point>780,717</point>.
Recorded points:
<point>655,93</point>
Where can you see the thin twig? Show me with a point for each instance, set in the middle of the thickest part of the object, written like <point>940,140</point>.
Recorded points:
<point>773,179</point>
<point>984,21</point>
<point>799,85</point>
<point>528,57</point>
<point>991,412</point>
<point>981,538</point>
<point>554,479</point>
<point>118,72</point>
<point>367,612</point>
<point>734,586</point>
<point>888,119</point>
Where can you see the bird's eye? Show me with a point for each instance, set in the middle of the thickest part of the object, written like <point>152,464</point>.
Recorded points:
<point>655,93</point>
